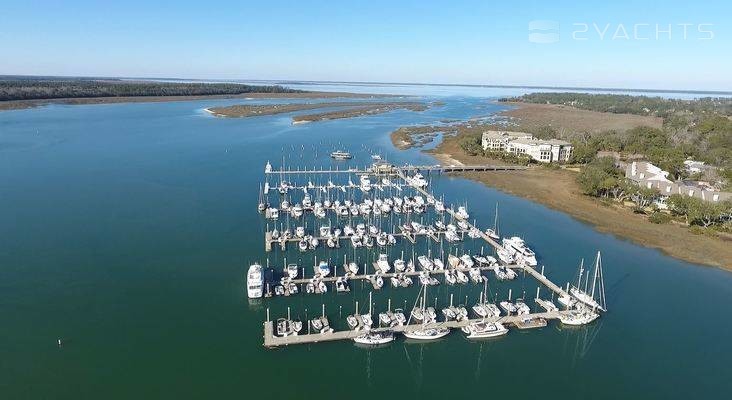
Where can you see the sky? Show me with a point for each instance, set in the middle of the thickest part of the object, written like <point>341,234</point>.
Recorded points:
<point>619,44</point>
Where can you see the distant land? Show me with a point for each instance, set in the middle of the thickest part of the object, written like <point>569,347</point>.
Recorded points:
<point>26,92</point>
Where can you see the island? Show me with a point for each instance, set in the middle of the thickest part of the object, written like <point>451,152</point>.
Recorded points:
<point>344,109</point>
<point>18,92</point>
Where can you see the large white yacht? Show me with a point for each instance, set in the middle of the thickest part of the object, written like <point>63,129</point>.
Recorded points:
<point>483,329</point>
<point>255,281</point>
<point>520,250</point>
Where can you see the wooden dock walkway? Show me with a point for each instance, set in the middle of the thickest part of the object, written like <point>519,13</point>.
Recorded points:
<point>387,169</point>
<point>527,321</point>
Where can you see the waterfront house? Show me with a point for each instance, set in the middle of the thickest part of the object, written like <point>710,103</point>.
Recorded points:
<point>650,176</point>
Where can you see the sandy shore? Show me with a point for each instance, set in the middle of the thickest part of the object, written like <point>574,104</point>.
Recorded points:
<point>558,189</point>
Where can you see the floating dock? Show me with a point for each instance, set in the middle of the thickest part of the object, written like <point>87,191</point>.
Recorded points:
<point>520,321</point>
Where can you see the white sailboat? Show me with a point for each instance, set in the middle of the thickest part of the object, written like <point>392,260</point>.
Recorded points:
<point>594,296</point>
<point>493,233</point>
<point>424,332</point>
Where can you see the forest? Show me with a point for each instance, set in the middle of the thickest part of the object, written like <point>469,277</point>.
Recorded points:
<point>20,88</point>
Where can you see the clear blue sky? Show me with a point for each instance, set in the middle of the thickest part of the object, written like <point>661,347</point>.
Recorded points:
<point>476,42</point>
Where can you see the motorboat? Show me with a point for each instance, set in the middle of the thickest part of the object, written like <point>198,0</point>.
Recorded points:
<point>399,265</point>
<point>322,269</point>
<point>425,263</point>
<point>475,275</point>
<point>462,213</point>
<point>382,239</point>
<point>324,231</point>
<point>438,264</point>
<point>383,263</point>
<point>376,281</point>
<point>450,277</point>
<point>505,256</point>
<point>356,241</point>
<point>466,261</point>
<point>341,155</point>
<point>484,329</point>
<point>518,247</point>
<point>342,285</point>
<point>578,317</point>
<point>365,183</point>
<point>348,230</point>
<point>461,277</point>
<point>292,270</point>
<point>508,307</point>
<point>255,281</point>
<point>375,338</point>
<point>522,308</point>
<point>303,244</point>
<point>296,211</point>
<point>352,268</point>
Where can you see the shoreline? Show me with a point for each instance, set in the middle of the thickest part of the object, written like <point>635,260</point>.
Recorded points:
<point>558,190</point>
<point>25,104</point>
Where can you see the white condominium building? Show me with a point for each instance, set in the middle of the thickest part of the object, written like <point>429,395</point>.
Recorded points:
<point>551,150</point>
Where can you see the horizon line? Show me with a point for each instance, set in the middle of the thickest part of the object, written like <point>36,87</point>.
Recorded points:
<point>301,81</point>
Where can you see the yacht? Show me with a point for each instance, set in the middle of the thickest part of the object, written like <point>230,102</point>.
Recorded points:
<point>348,231</point>
<point>292,270</point>
<point>439,265</point>
<point>365,183</point>
<point>322,269</point>
<point>462,213</point>
<point>399,265</point>
<point>483,329</point>
<point>303,244</point>
<point>475,275</point>
<point>375,338</point>
<point>356,241</point>
<point>296,211</point>
<point>508,307</point>
<point>307,201</point>
<point>352,268</point>
<point>439,206</point>
<point>466,261</point>
<point>522,308</point>
<point>578,317</point>
<point>505,256</point>
<point>341,155</point>
<point>255,281</point>
<point>383,263</point>
<point>425,263</point>
<point>417,181</point>
<point>517,245</point>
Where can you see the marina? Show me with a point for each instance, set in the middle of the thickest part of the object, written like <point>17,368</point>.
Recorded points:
<point>580,305</point>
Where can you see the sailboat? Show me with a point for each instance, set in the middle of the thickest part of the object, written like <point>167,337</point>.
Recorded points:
<point>493,233</point>
<point>425,333</point>
<point>593,296</point>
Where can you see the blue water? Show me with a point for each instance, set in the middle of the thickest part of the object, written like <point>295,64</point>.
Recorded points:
<point>126,229</point>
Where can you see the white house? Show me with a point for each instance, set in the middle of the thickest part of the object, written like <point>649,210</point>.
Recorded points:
<point>650,176</point>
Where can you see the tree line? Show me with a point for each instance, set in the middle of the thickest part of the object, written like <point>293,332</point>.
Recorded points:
<point>36,89</point>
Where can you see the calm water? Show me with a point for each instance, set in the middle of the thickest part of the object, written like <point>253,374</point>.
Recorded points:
<point>126,230</point>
